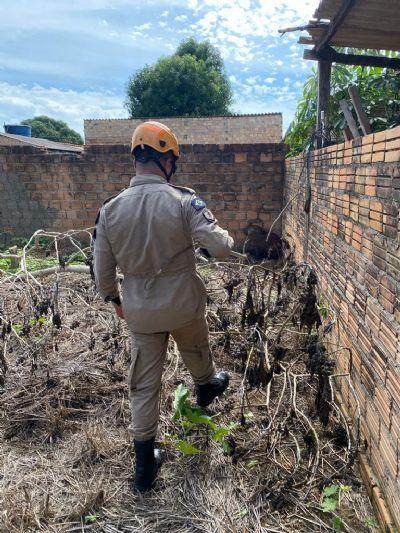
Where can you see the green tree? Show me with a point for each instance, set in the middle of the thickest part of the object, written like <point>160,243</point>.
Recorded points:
<point>53,130</point>
<point>191,82</point>
<point>380,95</point>
<point>203,50</point>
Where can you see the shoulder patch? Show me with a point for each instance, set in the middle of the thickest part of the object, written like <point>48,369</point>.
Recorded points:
<point>197,203</point>
<point>183,189</point>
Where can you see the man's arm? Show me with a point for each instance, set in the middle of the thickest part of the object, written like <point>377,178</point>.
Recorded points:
<point>205,230</point>
<point>104,262</point>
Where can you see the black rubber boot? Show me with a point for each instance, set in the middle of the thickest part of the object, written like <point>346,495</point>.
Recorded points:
<point>209,391</point>
<point>148,462</point>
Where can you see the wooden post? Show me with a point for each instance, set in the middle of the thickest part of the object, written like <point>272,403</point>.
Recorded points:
<point>347,134</point>
<point>362,117</point>
<point>344,106</point>
<point>324,89</point>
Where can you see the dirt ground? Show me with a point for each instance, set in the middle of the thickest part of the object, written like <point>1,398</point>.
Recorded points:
<point>66,459</point>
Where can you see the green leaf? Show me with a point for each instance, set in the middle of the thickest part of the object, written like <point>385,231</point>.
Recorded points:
<point>91,518</point>
<point>328,505</point>
<point>242,513</point>
<point>337,524</point>
<point>370,522</point>
<point>345,488</point>
<point>188,449</point>
<point>331,490</point>
<point>252,463</point>
<point>226,446</point>
<point>196,416</point>
<point>180,397</point>
<point>220,433</point>
<point>188,425</point>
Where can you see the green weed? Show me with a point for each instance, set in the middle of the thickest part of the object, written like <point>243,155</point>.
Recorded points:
<point>331,502</point>
<point>193,418</point>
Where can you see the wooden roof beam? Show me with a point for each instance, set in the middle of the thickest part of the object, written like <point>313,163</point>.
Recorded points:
<point>329,54</point>
<point>340,17</point>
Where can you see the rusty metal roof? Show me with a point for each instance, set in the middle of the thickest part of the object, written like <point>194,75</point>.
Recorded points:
<point>44,143</point>
<point>368,24</point>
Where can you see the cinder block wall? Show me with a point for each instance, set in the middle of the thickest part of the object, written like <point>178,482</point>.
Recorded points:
<point>242,185</point>
<point>352,238</point>
<point>263,128</point>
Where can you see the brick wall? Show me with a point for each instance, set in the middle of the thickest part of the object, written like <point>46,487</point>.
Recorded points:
<point>352,239</point>
<point>242,185</point>
<point>236,129</point>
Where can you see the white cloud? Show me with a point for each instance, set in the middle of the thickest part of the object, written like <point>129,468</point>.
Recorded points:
<point>252,80</point>
<point>246,17</point>
<point>270,79</point>
<point>145,26</point>
<point>193,4</point>
<point>18,102</point>
<point>180,18</point>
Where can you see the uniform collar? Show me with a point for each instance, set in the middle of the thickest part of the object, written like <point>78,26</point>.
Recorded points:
<point>144,179</point>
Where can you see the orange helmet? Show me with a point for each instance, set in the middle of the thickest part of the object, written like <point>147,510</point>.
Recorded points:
<point>157,136</point>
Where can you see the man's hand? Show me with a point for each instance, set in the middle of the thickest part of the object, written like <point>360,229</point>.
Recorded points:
<point>119,311</point>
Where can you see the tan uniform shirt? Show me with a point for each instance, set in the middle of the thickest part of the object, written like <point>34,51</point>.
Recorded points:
<point>148,230</point>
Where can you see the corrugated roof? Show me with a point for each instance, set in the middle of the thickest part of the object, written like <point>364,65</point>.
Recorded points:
<point>44,143</point>
<point>186,118</point>
<point>369,24</point>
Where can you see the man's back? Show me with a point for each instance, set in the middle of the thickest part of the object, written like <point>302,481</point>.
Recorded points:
<point>148,230</point>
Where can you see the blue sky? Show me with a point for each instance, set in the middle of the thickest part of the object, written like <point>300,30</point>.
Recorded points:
<point>71,59</point>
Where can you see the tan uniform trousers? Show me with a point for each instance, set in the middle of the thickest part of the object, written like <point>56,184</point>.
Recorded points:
<point>147,364</point>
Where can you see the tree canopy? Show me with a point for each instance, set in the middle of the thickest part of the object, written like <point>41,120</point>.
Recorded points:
<point>191,82</point>
<point>380,95</point>
<point>53,130</point>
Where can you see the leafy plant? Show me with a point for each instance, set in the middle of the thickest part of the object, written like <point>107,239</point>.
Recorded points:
<point>191,82</point>
<point>52,129</point>
<point>32,322</point>
<point>322,310</point>
<point>32,264</point>
<point>331,502</point>
<point>38,263</point>
<point>337,524</point>
<point>193,418</point>
<point>370,522</point>
<point>241,514</point>
<point>91,518</point>
<point>380,95</point>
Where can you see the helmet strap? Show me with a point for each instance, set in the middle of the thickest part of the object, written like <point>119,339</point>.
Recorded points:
<point>169,174</point>
<point>153,156</point>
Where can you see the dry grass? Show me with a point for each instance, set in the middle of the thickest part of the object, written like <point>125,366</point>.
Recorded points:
<point>66,459</point>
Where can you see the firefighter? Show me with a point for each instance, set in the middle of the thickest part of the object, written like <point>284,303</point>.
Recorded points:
<point>148,231</point>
